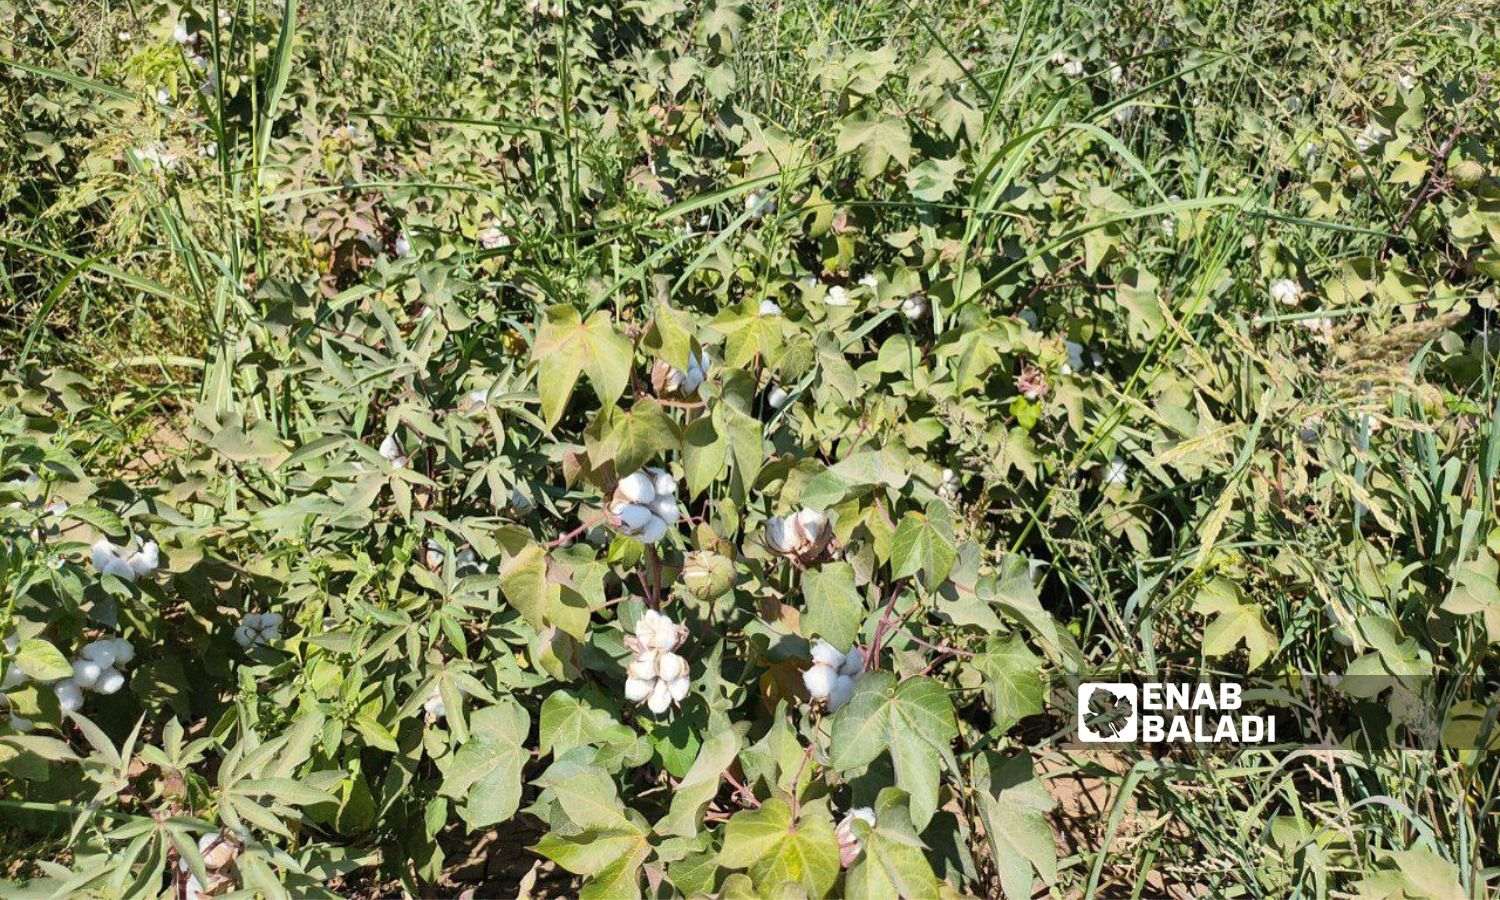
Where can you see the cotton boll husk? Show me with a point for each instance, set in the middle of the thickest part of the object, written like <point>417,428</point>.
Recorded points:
<point>86,672</point>
<point>819,681</point>
<point>644,666</point>
<point>638,689</point>
<point>678,688</point>
<point>826,654</point>
<point>634,517</point>
<point>670,666</point>
<point>661,698</point>
<point>636,488</point>
<point>110,681</point>
<point>843,689</point>
<point>654,530</point>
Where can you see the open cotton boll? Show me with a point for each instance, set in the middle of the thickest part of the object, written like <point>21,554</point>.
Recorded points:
<point>670,666</point>
<point>661,697</point>
<point>662,482</point>
<point>665,508</point>
<point>69,695</point>
<point>643,666</point>
<point>769,308</point>
<point>634,517</point>
<point>110,681</point>
<point>390,449</point>
<point>778,535</point>
<point>103,652</point>
<point>837,296</point>
<point>826,654</point>
<point>1115,472</point>
<point>777,397</point>
<point>636,488</point>
<point>433,705</point>
<point>638,689</point>
<point>125,651</point>
<point>848,840</point>
<point>1286,291</point>
<point>819,681</point>
<point>654,530</point>
<point>145,560</point>
<point>854,662</point>
<point>86,672</point>
<point>808,525</point>
<point>843,689</point>
<point>678,688</point>
<point>914,307</point>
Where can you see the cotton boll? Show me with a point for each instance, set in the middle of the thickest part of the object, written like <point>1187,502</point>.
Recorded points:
<point>824,653</point>
<point>243,635</point>
<point>1075,361</point>
<point>434,706</point>
<point>273,620</point>
<point>843,689</point>
<point>14,677</point>
<point>819,680</point>
<point>848,840</point>
<point>145,560</point>
<point>69,695</point>
<point>1286,292</point>
<point>101,651</point>
<point>666,510</point>
<point>654,530</point>
<point>914,307</point>
<point>837,296</point>
<point>634,517</point>
<point>638,689</point>
<point>125,651</point>
<point>670,667</point>
<point>101,554</point>
<point>869,281</point>
<point>777,397</point>
<point>661,697</point>
<point>403,245</point>
<point>110,681</point>
<point>809,525</point>
<point>778,535</point>
<point>644,666</point>
<point>678,688</point>
<point>662,483</point>
<point>854,662</point>
<point>86,672</point>
<point>769,308</point>
<point>390,448</point>
<point>636,488</point>
<point>1115,472</point>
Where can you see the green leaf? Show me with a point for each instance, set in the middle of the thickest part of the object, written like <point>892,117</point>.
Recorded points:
<point>637,437</point>
<point>41,661</point>
<point>778,851</point>
<point>932,179</point>
<point>1014,806</point>
<point>834,608</point>
<point>1476,589</point>
<point>585,792</point>
<point>1236,620</point>
<point>700,784</point>
<point>704,454</point>
<point>567,346</point>
<point>568,721</point>
<point>485,773</point>
<point>1013,680</point>
<point>913,718</point>
<point>924,542</point>
<point>877,138</point>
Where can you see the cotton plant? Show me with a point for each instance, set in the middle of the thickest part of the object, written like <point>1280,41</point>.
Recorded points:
<point>949,485</point>
<point>656,675</point>
<point>802,535</point>
<point>258,630</point>
<point>837,296</point>
<point>831,678</point>
<point>644,505</point>
<point>123,562</point>
<point>390,450</point>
